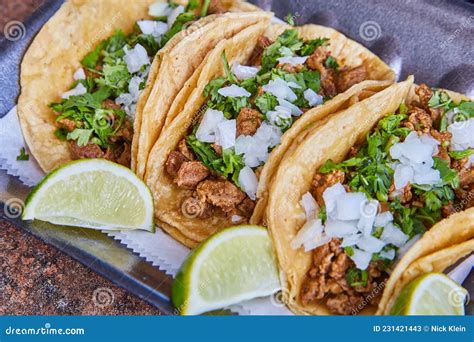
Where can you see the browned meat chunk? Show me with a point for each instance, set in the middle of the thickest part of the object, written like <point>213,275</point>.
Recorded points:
<point>216,7</point>
<point>291,68</point>
<point>85,152</point>
<point>316,62</point>
<point>262,44</point>
<point>68,124</point>
<point>190,174</point>
<point>441,136</point>
<point>109,104</point>
<point>443,154</point>
<point>466,177</point>
<point>246,207</point>
<point>217,149</point>
<point>125,133</point>
<point>174,162</point>
<point>348,78</point>
<point>125,156</point>
<point>323,181</point>
<point>185,150</point>
<point>419,120</point>
<point>220,193</point>
<point>343,304</point>
<point>248,121</point>
<point>424,93</point>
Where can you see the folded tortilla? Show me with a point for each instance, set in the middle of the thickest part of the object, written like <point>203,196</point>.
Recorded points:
<point>56,52</point>
<point>176,66</point>
<point>169,199</point>
<point>332,139</point>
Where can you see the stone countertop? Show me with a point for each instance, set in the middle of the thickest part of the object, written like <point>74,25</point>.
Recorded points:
<point>37,279</point>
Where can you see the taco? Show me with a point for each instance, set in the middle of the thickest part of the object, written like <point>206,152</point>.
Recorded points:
<point>368,191</point>
<point>107,54</point>
<point>439,262</point>
<point>252,95</point>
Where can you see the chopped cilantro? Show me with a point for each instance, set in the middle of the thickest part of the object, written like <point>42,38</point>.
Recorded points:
<point>23,155</point>
<point>461,154</point>
<point>356,277</point>
<point>331,63</point>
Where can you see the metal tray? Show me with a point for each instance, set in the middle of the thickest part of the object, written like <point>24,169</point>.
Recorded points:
<point>431,39</point>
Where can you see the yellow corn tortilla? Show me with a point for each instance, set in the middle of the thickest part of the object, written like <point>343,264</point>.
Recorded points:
<point>438,261</point>
<point>333,138</point>
<point>177,66</point>
<point>54,55</point>
<point>169,198</point>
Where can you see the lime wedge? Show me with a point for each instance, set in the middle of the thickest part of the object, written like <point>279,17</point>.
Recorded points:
<point>236,264</point>
<point>431,294</point>
<point>92,193</point>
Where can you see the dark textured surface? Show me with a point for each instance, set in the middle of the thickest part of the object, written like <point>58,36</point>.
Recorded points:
<point>37,279</point>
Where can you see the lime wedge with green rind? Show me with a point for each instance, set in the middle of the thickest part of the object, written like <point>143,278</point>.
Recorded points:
<point>431,294</point>
<point>234,265</point>
<point>92,193</point>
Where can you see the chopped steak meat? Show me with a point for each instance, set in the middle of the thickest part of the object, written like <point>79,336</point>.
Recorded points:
<point>347,78</point>
<point>419,120</point>
<point>185,150</point>
<point>174,162</point>
<point>326,281</point>
<point>248,121</point>
<point>216,7</point>
<point>190,174</point>
<point>109,104</point>
<point>67,124</point>
<point>424,93</point>
<point>323,181</point>
<point>220,193</point>
<point>85,152</point>
<point>262,44</point>
<point>316,62</point>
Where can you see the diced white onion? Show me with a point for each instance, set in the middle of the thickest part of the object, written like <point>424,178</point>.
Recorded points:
<point>295,111</point>
<point>294,61</point>
<point>280,117</point>
<point>79,74</point>
<point>243,72</point>
<point>394,235</point>
<point>309,205</point>
<point>361,259</point>
<point>234,91</point>
<point>174,14</point>
<point>351,240</point>
<point>320,240</point>
<point>340,229</point>
<point>312,97</point>
<point>236,218</point>
<point>207,128</point>
<point>225,133</point>
<point>463,137</point>
<point>389,255</point>
<point>403,175</point>
<point>367,218</point>
<point>310,230</point>
<point>159,9</point>
<point>280,89</point>
<point>249,182</point>
<point>76,91</point>
<point>153,27</point>
<point>330,195</point>
<point>136,58</point>
<point>370,244</point>
<point>349,206</point>
<point>382,219</point>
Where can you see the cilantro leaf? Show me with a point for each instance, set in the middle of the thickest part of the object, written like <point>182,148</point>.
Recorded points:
<point>461,154</point>
<point>82,136</point>
<point>23,155</point>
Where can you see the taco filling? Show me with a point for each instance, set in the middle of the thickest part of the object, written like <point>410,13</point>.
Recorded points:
<point>413,169</point>
<point>95,116</point>
<point>245,116</point>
